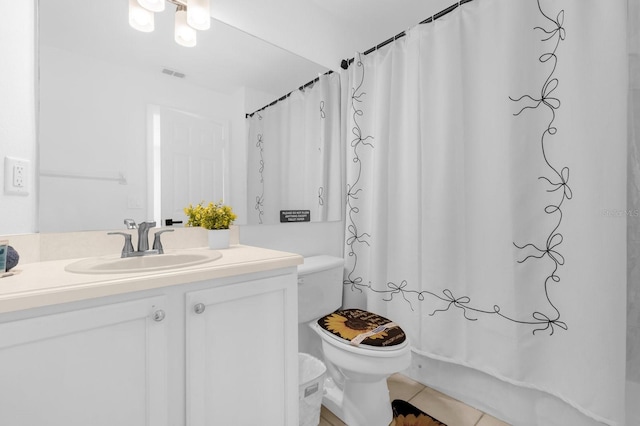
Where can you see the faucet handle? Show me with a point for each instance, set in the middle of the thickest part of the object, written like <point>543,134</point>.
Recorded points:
<point>157,244</point>
<point>128,246</point>
<point>130,223</point>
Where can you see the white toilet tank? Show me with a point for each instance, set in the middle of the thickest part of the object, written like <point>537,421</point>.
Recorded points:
<point>319,286</point>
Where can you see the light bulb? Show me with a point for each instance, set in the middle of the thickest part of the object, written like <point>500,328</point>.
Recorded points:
<point>152,5</point>
<point>199,14</point>
<point>140,18</point>
<point>184,34</point>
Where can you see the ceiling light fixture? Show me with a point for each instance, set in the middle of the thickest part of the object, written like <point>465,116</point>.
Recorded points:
<point>152,5</point>
<point>140,18</point>
<point>184,34</point>
<point>191,15</point>
<point>199,14</point>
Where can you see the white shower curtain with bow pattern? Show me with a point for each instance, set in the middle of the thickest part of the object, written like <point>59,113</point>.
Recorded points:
<point>294,157</point>
<point>485,204</point>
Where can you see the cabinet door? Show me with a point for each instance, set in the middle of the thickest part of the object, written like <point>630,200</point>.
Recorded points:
<point>97,366</point>
<point>242,363</point>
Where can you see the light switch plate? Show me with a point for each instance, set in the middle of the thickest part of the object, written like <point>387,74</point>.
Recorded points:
<point>16,176</point>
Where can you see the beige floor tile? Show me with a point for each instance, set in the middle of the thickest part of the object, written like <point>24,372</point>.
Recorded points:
<point>402,387</point>
<point>446,409</point>
<point>324,422</point>
<point>334,420</point>
<point>330,418</point>
<point>438,405</point>
<point>488,420</point>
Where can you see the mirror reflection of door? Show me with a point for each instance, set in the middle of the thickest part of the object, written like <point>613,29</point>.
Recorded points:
<point>189,162</point>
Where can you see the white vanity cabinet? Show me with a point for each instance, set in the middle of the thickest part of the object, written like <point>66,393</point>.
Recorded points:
<point>101,366</point>
<point>204,347</point>
<point>242,353</point>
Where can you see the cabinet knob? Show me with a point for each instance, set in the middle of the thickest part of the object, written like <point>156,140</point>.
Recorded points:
<point>158,315</point>
<point>199,308</point>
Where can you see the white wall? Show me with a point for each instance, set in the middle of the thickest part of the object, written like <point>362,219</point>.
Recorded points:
<point>256,99</point>
<point>306,239</point>
<point>17,110</point>
<point>325,31</point>
<point>94,123</point>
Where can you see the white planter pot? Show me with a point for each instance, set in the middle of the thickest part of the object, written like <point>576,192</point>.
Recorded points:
<point>219,238</point>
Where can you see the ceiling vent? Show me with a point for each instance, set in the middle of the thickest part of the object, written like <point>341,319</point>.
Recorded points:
<point>173,73</point>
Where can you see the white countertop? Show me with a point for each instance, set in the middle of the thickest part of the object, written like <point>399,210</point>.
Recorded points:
<point>47,283</point>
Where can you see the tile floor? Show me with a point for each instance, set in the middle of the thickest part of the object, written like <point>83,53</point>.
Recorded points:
<point>436,404</point>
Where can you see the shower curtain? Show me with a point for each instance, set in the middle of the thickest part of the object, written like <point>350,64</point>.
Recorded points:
<point>486,195</point>
<point>295,158</point>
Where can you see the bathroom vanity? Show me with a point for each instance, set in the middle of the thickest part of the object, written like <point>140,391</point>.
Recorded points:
<point>209,344</point>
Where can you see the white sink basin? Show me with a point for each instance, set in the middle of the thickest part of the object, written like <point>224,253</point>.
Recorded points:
<point>117,265</point>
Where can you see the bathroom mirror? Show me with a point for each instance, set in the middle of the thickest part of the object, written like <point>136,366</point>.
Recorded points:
<point>102,85</point>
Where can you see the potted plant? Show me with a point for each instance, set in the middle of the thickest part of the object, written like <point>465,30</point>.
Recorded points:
<point>216,217</point>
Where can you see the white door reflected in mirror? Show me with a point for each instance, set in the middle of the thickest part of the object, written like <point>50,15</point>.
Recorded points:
<point>189,161</point>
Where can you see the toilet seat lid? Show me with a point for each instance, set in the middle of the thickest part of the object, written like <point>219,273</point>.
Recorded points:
<point>360,327</point>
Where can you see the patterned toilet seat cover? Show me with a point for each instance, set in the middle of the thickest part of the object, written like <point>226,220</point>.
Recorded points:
<point>361,327</point>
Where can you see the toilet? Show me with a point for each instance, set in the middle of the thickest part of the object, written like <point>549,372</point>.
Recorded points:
<point>360,349</point>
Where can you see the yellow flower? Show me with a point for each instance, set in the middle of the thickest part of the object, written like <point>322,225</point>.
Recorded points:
<point>211,216</point>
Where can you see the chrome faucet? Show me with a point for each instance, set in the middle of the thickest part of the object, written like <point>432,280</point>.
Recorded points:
<point>143,239</point>
<point>143,235</point>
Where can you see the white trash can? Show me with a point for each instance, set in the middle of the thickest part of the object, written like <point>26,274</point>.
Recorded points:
<point>311,374</point>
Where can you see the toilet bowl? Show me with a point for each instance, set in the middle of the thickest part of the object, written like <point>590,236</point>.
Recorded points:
<point>355,389</point>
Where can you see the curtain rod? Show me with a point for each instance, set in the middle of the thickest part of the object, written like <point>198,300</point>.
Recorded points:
<point>346,62</point>
<point>311,83</point>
